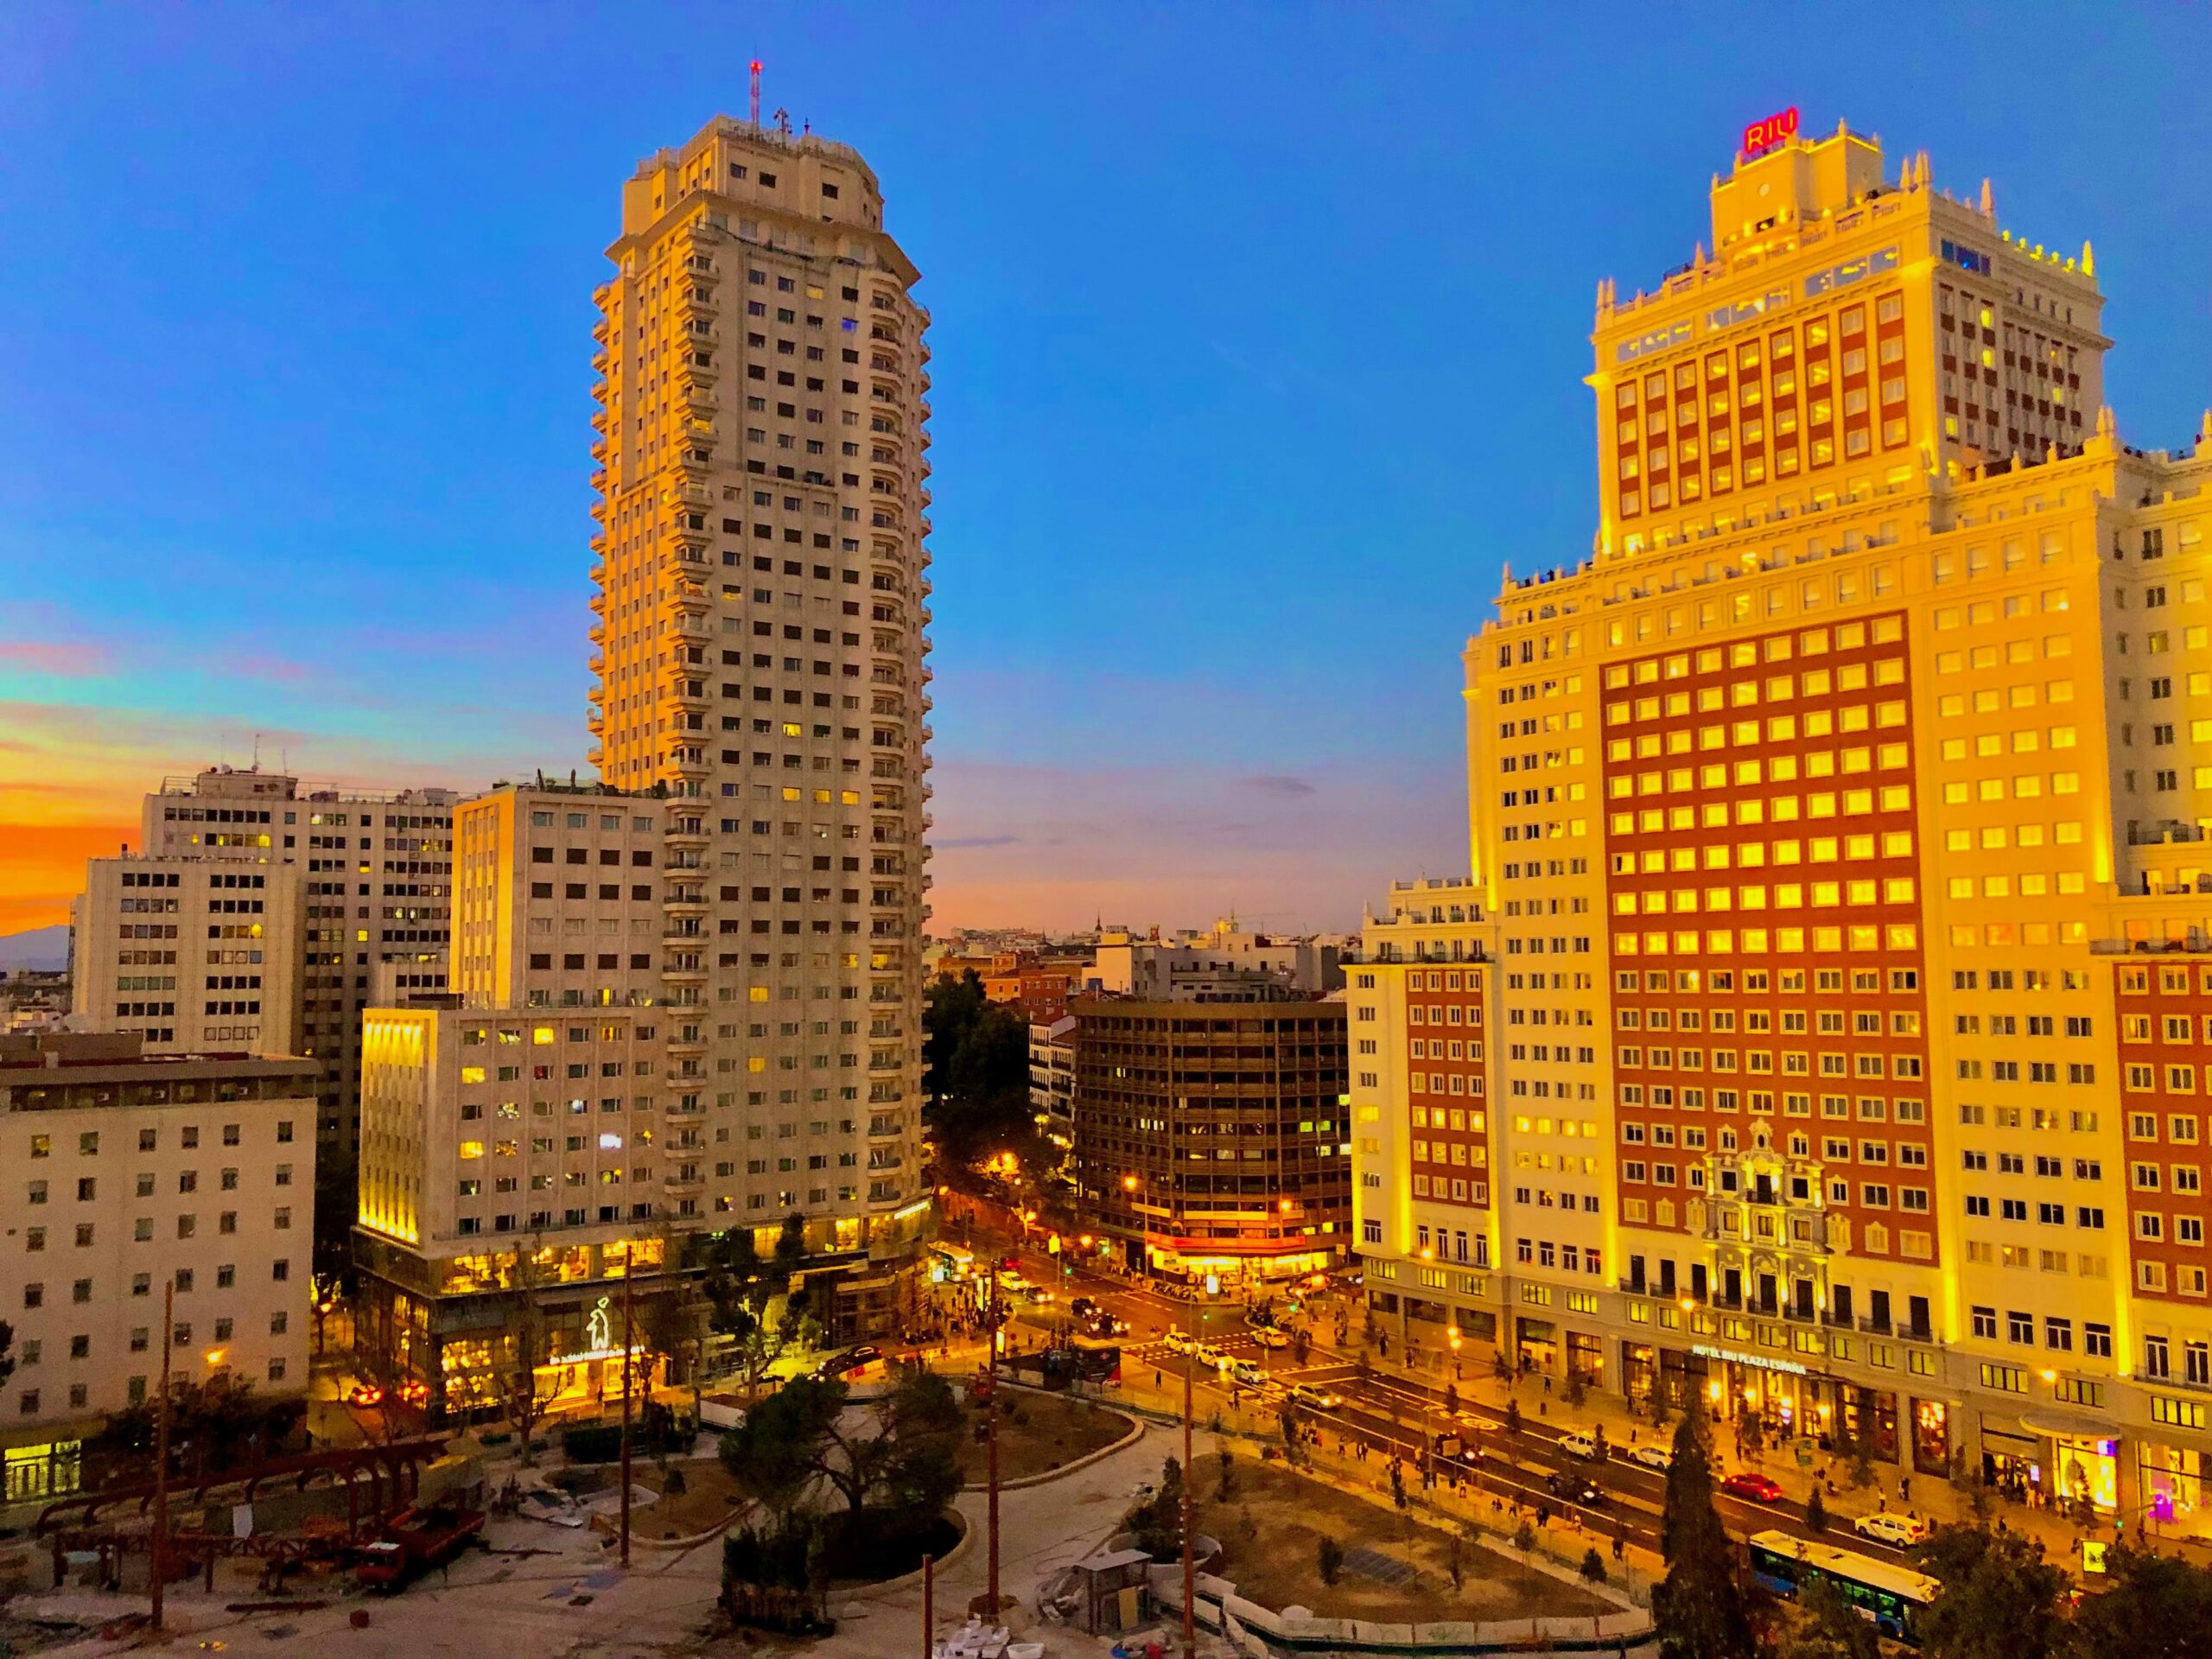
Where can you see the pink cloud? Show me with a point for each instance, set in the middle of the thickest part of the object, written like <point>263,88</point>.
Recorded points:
<point>75,658</point>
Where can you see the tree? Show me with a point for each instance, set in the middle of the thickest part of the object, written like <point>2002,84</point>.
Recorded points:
<point>1455,1559</point>
<point>1398,1484</point>
<point>1513,1417</point>
<point>1329,1557</point>
<point>1601,1451</point>
<point>1753,1427</point>
<point>1699,1607</point>
<point>1829,1627</point>
<point>1302,1347</point>
<point>976,1058</point>
<point>528,1349</point>
<point>1500,1367</point>
<point>2153,1604</point>
<point>1524,1537</point>
<point>1157,1521</point>
<point>751,1301</point>
<point>2000,1598</point>
<point>775,1451</point>
<point>672,1308</point>
<point>1451,1399</point>
<point>1816,1512</point>
<point>1293,1424</point>
<point>1594,1565</point>
<point>1227,1462</point>
<point>1577,1390</point>
<point>901,1457</point>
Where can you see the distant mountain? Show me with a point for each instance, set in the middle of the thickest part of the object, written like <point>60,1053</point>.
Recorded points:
<point>43,948</point>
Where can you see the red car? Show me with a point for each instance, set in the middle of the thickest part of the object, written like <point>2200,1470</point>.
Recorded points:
<point>1756,1488</point>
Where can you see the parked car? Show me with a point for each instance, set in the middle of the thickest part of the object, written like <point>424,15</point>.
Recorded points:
<point>1753,1487</point>
<point>1579,1443</point>
<point>1576,1489</point>
<point>1652,1455</point>
<point>1248,1374</point>
<point>1267,1337</point>
<point>1178,1342</point>
<point>1315,1399</point>
<point>1888,1528</point>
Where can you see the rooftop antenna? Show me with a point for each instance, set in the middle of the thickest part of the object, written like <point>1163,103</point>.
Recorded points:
<point>756,92</point>
<point>256,751</point>
<point>784,123</point>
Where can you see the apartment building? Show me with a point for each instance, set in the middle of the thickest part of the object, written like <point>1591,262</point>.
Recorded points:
<point>189,955</point>
<point>1211,1142</point>
<point>1837,836</point>
<point>364,899</point>
<point>1051,1078</point>
<point>128,1171</point>
<point>758,638</point>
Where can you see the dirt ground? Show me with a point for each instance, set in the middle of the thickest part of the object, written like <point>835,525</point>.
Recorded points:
<point>1278,1568</point>
<point>708,1494</point>
<point>1053,1429</point>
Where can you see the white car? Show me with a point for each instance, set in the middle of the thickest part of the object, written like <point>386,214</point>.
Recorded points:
<point>1652,1456</point>
<point>1267,1337</point>
<point>1206,1354</point>
<point>1248,1374</point>
<point>1315,1399</point>
<point>1578,1442</point>
<point>1890,1529</point>
<point>1178,1342</point>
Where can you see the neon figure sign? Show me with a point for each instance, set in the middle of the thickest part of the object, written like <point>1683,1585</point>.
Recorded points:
<point>1764,134</point>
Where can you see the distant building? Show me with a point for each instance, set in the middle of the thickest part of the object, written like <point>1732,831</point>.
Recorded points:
<point>1214,1142</point>
<point>1224,957</point>
<point>127,1171</point>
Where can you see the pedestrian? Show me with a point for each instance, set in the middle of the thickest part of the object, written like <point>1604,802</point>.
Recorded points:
<point>1548,1382</point>
<point>1905,1488</point>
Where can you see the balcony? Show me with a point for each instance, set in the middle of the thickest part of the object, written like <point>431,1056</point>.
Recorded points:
<point>1876,1325</point>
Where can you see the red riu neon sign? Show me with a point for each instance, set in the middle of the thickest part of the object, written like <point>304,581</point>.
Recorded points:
<point>1760,135</point>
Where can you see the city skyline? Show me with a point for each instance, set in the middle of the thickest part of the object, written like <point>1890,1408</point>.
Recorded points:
<point>1278,660</point>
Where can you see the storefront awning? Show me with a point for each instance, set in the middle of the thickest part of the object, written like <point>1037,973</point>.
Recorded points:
<point>2068,1425</point>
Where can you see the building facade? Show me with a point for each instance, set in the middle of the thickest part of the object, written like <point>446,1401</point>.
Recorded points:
<point>1837,836</point>
<point>356,896</point>
<point>1051,1078</point>
<point>126,1171</point>
<point>190,955</point>
<point>552,1116</point>
<point>1210,1143</point>
<point>761,597</point>
<point>1224,957</point>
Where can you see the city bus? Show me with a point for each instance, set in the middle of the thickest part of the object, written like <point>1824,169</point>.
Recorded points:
<point>1888,1597</point>
<point>950,1262</point>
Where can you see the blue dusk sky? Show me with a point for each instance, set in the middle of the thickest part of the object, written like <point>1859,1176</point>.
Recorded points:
<point>1259,341</point>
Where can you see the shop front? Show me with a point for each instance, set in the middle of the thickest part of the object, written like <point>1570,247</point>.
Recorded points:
<point>2173,1487</point>
<point>1537,1342</point>
<point>2079,1458</point>
<point>1931,1437</point>
<point>1586,1358</point>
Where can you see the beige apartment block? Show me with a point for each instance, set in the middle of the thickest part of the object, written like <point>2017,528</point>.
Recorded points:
<point>124,1171</point>
<point>370,900</point>
<point>193,957</point>
<point>1837,882</point>
<point>758,639</point>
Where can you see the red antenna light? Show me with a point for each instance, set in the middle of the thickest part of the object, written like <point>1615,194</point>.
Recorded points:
<point>756,92</point>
